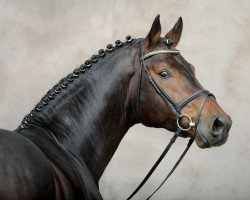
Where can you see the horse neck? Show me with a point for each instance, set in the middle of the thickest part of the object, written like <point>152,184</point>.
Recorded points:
<point>90,118</point>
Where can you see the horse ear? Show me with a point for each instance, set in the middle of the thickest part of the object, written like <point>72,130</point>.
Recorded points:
<point>153,36</point>
<point>175,33</point>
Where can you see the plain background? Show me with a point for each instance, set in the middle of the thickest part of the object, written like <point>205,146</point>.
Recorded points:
<point>43,40</point>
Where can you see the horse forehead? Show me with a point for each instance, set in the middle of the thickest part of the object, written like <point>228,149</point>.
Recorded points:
<point>173,60</point>
<point>179,62</point>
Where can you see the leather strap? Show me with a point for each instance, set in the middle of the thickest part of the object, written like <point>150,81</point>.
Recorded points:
<point>172,141</point>
<point>190,98</point>
<point>167,100</point>
<point>138,95</point>
<point>198,93</point>
<point>174,167</point>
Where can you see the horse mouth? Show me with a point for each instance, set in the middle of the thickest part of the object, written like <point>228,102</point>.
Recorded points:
<point>206,140</point>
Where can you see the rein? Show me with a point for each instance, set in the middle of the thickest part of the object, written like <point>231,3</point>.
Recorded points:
<point>175,109</point>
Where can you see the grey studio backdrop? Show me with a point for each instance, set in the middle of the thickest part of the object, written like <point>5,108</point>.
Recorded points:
<point>43,40</point>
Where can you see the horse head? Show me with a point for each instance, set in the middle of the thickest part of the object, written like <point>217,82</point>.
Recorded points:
<point>170,96</point>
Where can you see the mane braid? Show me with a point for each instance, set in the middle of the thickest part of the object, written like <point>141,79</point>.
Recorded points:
<point>64,82</point>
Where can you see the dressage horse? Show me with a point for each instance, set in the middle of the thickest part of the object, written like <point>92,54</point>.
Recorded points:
<point>64,144</point>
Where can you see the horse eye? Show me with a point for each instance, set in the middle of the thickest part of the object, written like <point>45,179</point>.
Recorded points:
<point>164,74</point>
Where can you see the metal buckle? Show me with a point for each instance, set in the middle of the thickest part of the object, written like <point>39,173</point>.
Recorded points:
<point>191,123</point>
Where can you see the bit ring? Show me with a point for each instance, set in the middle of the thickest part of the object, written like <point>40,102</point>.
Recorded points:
<point>191,123</point>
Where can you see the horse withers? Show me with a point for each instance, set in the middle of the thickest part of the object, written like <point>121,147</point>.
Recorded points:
<point>64,144</point>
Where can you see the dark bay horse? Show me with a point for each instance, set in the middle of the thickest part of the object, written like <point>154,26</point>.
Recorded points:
<point>63,146</point>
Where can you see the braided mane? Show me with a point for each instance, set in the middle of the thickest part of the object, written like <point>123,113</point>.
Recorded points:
<point>64,82</point>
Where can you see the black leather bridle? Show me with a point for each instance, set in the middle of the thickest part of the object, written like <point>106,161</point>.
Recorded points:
<point>175,109</point>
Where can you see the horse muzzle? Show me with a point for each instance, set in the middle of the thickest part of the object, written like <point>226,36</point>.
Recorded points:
<point>216,134</point>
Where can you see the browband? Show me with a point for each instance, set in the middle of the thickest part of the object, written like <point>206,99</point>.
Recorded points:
<point>150,54</point>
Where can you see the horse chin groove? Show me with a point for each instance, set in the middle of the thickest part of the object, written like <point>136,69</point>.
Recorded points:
<point>201,141</point>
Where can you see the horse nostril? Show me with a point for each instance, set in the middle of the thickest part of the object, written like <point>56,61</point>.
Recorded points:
<point>218,126</point>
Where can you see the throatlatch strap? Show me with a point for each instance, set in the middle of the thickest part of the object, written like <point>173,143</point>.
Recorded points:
<point>156,164</point>
<point>138,95</point>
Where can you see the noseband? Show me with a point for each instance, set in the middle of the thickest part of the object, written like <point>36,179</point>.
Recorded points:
<point>175,109</point>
